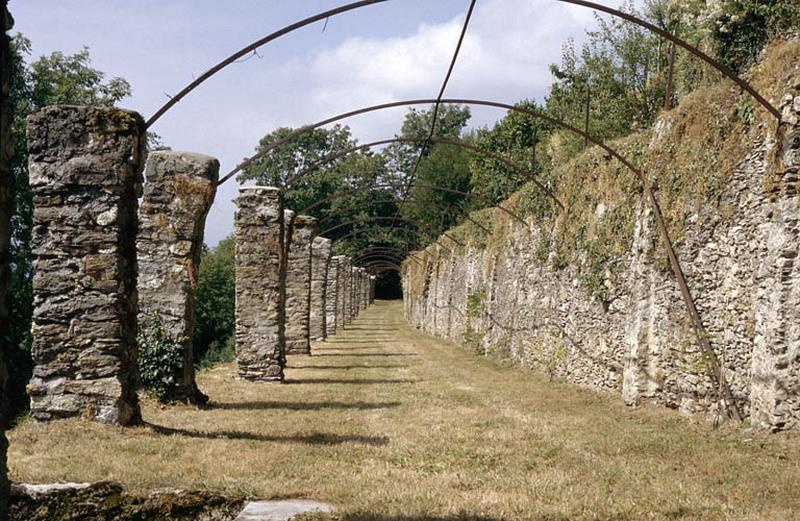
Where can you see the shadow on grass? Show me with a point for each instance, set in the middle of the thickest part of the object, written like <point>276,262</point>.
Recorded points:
<point>301,406</point>
<point>366,354</point>
<point>399,366</point>
<point>354,381</point>
<point>368,516</point>
<point>315,438</point>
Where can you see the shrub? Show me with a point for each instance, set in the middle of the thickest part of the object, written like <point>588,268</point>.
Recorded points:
<point>219,352</point>
<point>160,356</point>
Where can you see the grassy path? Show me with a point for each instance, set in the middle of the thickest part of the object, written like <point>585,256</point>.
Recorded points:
<point>393,425</point>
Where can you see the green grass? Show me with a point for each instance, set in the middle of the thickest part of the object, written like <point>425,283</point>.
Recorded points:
<point>390,424</point>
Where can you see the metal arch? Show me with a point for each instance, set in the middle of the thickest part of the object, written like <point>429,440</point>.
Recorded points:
<point>682,43</point>
<point>407,139</point>
<point>369,219</point>
<point>344,193</point>
<point>370,253</point>
<point>701,334</point>
<point>252,47</point>
<point>404,103</point>
<point>404,229</point>
<point>379,255</point>
<point>383,264</point>
<point>364,3</point>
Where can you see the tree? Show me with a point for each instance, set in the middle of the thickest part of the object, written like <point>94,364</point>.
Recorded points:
<point>513,139</point>
<point>215,321</point>
<point>53,79</point>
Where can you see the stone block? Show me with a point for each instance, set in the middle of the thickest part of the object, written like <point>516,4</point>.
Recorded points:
<point>298,285</point>
<point>178,193</point>
<point>260,261</point>
<point>320,267</point>
<point>332,318</point>
<point>85,168</point>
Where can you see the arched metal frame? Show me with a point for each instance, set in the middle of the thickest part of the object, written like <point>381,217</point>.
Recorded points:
<point>702,336</point>
<point>364,3</point>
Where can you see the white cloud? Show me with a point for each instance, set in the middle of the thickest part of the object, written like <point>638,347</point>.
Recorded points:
<point>309,75</point>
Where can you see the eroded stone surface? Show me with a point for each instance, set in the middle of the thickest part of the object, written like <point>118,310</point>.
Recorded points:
<point>332,308</point>
<point>107,501</point>
<point>260,278</point>
<point>298,285</point>
<point>320,267</point>
<point>85,172</point>
<point>281,510</point>
<point>343,294</point>
<point>743,271</point>
<point>178,192</point>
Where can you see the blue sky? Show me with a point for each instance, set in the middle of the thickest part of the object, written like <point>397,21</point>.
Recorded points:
<point>391,51</point>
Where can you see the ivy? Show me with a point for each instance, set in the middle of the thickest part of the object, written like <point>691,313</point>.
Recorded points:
<point>160,356</point>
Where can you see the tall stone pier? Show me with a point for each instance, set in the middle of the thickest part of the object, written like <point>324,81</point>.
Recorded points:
<point>372,279</point>
<point>343,297</point>
<point>332,309</point>
<point>85,168</point>
<point>6,210</point>
<point>178,192</point>
<point>260,272</point>
<point>320,268</point>
<point>298,285</point>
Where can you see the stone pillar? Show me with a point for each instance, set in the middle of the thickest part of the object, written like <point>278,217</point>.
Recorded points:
<point>338,304</point>
<point>260,284</point>
<point>6,210</point>
<point>331,284</point>
<point>372,279</point>
<point>320,266</point>
<point>298,285</point>
<point>353,310</point>
<point>178,192</point>
<point>85,168</point>
<point>344,292</point>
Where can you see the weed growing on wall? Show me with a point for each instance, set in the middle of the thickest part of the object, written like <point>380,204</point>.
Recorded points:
<point>160,356</point>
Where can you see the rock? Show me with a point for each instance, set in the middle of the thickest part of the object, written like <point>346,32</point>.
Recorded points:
<point>260,260</point>
<point>178,193</point>
<point>282,510</point>
<point>298,284</point>
<point>86,167</point>
<point>320,268</point>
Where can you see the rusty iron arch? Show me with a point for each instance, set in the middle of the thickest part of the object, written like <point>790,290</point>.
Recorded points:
<point>252,48</point>
<point>370,252</point>
<point>702,336</point>
<point>744,85</point>
<point>404,229</point>
<point>377,255</point>
<point>365,220</point>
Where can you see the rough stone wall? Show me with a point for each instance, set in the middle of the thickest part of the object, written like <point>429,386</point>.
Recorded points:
<point>260,274</point>
<point>743,271</point>
<point>320,267</point>
<point>178,192</point>
<point>298,285</point>
<point>85,168</point>
<point>6,210</point>
<point>352,304</point>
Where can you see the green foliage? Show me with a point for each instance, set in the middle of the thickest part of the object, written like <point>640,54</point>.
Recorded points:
<point>476,303</point>
<point>474,339</point>
<point>160,356</point>
<point>513,139</point>
<point>53,79</point>
<point>743,28</point>
<point>216,298</point>
<point>436,210</point>
<point>219,353</point>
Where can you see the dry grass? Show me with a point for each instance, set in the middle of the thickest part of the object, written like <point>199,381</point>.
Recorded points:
<point>390,424</point>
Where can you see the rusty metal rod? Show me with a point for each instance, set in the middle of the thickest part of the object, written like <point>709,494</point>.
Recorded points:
<point>252,47</point>
<point>686,45</point>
